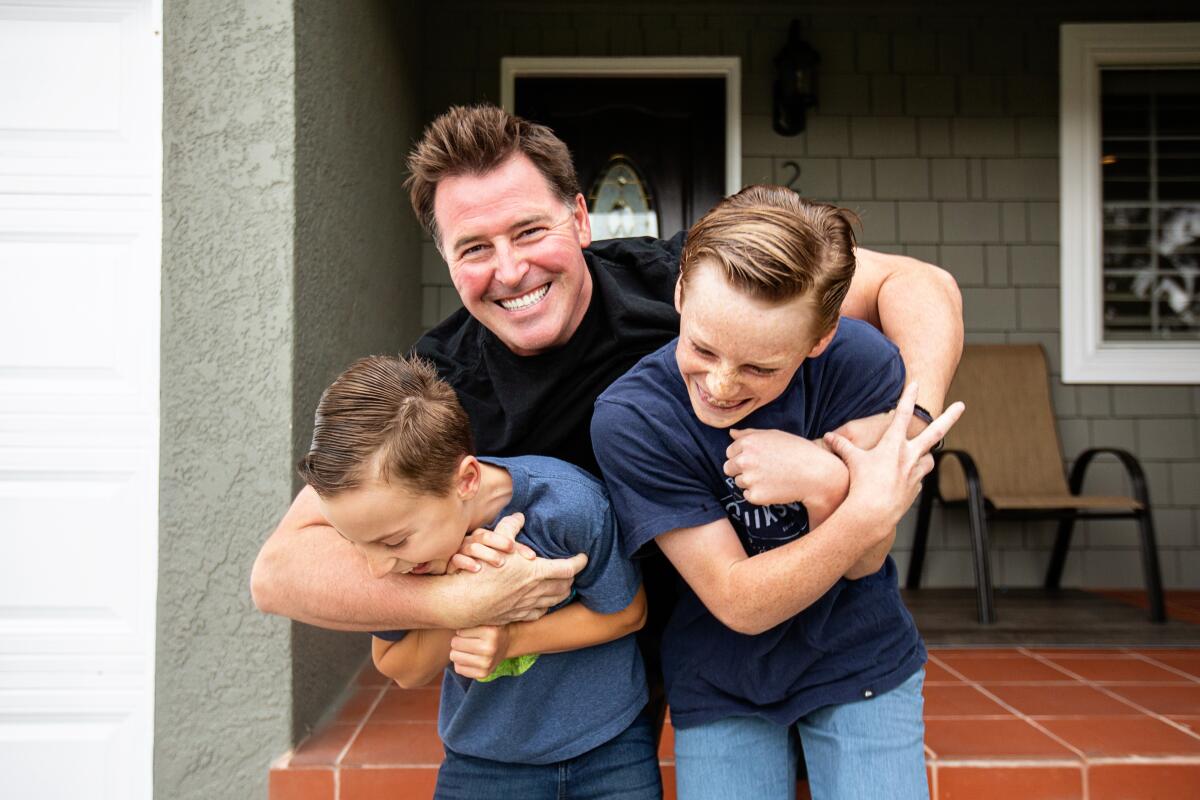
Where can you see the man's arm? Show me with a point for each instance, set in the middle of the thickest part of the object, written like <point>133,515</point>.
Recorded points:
<point>919,307</point>
<point>751,595</point>
<point>307,572</point>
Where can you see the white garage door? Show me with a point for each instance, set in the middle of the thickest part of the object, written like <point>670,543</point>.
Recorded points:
<point>80,219</point>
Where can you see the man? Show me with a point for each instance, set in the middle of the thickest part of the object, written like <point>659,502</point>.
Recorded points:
<point>547,324</point>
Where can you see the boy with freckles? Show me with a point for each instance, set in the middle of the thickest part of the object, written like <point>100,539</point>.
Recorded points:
<point>706,448</point>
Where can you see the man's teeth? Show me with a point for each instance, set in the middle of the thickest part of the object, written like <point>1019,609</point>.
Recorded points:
<point>525,299</point>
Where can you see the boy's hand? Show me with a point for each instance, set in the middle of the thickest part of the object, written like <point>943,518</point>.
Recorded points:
<point>886,479</point>
<point>490,547</point>
<point>771,466</point>
<point>476,652</point>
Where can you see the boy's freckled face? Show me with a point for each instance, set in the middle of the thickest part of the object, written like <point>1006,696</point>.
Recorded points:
<point>737,353</point>
<point>398,531</point>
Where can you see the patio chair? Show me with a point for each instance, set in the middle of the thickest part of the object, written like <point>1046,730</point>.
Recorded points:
<point>1010,467</point>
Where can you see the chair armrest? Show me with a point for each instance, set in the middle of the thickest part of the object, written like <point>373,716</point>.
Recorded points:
<point>1137,477</point>
<point>970,471</point>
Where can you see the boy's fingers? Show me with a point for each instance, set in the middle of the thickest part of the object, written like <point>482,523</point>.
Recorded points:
<point>840,446</point>
<point>464,563</point>
<point>525,550</point>
<point>937,430</point>
<point>497,540</point>
<point>511,525</point>
<point>486,554</point>
<point>904,411</point>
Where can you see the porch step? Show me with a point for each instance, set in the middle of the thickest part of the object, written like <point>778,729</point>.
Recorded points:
<point>1037,723</point>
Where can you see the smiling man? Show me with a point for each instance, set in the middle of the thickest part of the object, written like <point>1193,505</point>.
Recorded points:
<point>549,320</point>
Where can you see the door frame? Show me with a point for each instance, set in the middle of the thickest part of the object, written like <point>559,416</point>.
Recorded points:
<point>728,68</point>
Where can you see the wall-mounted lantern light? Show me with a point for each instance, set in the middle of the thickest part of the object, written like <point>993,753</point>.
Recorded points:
<point>795,83</point>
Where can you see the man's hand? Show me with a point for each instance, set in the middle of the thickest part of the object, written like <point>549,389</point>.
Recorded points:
<point>513,589</point>
<point>490,547</point>
<point>476,652</point>
<point>771,466</point>
<point>886,479</point>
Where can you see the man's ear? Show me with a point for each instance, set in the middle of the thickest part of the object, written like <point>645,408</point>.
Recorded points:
<point>679,295</point>
<point>467,477</point>
<point>583,223</point>
<point>823,342</point>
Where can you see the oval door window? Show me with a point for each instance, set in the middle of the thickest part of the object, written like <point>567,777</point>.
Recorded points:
<point>620,203</point>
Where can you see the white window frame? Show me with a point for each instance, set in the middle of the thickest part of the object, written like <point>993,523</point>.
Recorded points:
<point>1084,50</point>
<point>727,67</point>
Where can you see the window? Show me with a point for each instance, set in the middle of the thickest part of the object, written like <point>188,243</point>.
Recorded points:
<point>1130,186</point>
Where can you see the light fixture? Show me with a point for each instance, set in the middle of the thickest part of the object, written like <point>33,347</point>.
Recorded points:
<point>795,83</point>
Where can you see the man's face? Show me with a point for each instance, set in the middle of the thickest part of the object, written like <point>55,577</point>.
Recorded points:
<point>737,353</point>
<point>515,252</point>
<point>399,531</point>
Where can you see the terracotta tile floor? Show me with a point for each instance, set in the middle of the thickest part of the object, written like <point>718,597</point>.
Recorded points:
<point>1024,722</point>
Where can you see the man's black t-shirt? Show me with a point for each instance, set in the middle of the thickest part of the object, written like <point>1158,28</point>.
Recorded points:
<point>542,404</point>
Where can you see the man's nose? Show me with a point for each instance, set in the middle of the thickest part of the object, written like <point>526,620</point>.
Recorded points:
<point>510,265</point>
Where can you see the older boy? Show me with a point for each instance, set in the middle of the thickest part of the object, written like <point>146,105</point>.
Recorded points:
<point>753,647</point>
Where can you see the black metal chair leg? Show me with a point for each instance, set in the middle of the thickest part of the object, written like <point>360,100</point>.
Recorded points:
<point>977,516</point>
<point>1058,557</point>
<point>921,535</point>
<point>1154,590</point>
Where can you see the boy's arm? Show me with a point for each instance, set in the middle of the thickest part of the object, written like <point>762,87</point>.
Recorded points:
<point>477,651</point>
<point>776,467</point>
<point>416,659</point>
<point>919,307</point>
<point>307,572</point>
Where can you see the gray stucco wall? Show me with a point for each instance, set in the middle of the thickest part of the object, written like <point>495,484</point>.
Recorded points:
<point>223,682</point>
<point>288,250</point>
<point>939,125</point>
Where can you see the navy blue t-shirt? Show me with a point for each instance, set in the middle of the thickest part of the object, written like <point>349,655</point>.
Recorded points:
<point>664,471</point>
<point>566,703</point>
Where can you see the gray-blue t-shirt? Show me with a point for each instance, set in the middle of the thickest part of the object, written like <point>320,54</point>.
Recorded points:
<point>566,703</point>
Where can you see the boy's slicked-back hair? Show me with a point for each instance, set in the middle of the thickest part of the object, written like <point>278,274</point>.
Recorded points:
<point>774,245</point>
<point>388,418</point>
<point>474,140</point>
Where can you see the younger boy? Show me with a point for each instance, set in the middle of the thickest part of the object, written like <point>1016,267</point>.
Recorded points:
<point>393,463</point>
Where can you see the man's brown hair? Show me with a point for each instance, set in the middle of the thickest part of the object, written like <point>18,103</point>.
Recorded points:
<point>774,245</point>
<point>474,140</point>
<point>391,415</point>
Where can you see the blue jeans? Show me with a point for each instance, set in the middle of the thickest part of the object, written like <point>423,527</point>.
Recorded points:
<point>625,767</point>
<point>866,749</point>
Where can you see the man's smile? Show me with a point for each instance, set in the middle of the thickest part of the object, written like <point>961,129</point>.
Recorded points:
<point>526,300</point>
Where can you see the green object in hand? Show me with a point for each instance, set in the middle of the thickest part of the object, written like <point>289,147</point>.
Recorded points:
<point>511,667</point>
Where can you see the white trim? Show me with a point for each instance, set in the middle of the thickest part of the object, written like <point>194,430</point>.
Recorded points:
<point>1084,49</point>
<point>727,67</point>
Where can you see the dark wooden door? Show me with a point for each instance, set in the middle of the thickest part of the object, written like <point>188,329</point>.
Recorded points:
<point>672,129</point>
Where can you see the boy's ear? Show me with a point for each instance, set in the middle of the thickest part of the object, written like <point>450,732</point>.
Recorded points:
<point>823,342</point>
<point>467,477</point>
<point>679,295</point>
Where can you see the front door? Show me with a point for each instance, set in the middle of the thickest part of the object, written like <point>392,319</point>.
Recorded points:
<point>667,132</point>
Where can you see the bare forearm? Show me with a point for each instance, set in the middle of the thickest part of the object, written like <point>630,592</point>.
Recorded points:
<point>919,307</point>
<point>313,575</point>
<point>873,560</point>
<point>415,660</point>
<point>575,627</point>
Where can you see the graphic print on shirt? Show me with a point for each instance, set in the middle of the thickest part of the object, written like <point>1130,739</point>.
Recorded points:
<point>762,528</point>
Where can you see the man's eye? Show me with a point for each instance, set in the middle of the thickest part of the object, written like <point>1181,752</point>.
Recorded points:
<point>472,251</point>
<point>761,370</point>
<point>530,233</point>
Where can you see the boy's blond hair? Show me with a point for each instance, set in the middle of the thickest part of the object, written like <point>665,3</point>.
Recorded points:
<point>774,245</point>
<point>388,418</point>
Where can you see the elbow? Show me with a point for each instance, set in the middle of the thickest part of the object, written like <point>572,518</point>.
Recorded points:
<point>740,619</point>
<point>411,681</point>
<point>262,584</point>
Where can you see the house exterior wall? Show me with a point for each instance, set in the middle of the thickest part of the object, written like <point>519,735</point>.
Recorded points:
<point>287,251</point>
<point>939,126</point>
